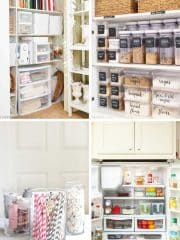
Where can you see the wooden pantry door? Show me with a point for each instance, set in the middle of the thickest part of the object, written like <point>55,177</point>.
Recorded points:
<point>42,155</point>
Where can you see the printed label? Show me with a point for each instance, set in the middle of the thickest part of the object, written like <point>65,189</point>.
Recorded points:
<point>114,77</point>
<point>177,42</point>
<point>101,55</point>
<point>103,102</point>
<point>102,89</point>
<point>112,55</point>
<point>136,42</point>
<point>123,43</point>
<point>102,76</point>
<point>112,32</point>
<point>115,90</point>
<point>115,104</point>
<point>101,42</point>
<point>101,29</point>
<point>166,42</point>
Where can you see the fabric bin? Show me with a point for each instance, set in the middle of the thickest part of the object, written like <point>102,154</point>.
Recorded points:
<point>138,94</point>
<point>138,109</point>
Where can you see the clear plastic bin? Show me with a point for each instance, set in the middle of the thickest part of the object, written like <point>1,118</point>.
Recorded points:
<point>102,42</point>
<point>102,30</point>
<point>177,46</point>
<point>170,23</point>
<point>166,80</point>
<point>114,44</point>
<point>138,79</point>
<point>126,54</point>
<point>138,47</point>
<point>25,22</point>
<point>113,56</point>
<point>138,109</point>
<point>116,77</point>
<point>156,24</point>
<point>144,25</point>
<point>132,26</point>
<point>166,47</point>
<point>103,76</point>
<point>138,94</point>
<point>158,208</point>
<point>152,48</point>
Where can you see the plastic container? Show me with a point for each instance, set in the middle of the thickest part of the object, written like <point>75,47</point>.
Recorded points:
<point>178,23</point>
<point>102,30</point>
<point>166,47</point>
<point>102,55</point>
<point>132,26</point>
<point>102,42</point>
<point>103,76</point>
<point>173,182</point>
<point>25,23</point>
<point>117,103</point>
<point>166,98</point>
<point>103,101</point>
<point>165,112</point>
<point>170,23</point>
<point>177,46</point>
<point>116,91</point>
<point>113,44</point>
<point>138,47</point>
<point>145,208</point>
<point>156,24</point>
<point>157,208</point>
<point>144,25</point>
<point>113,56</point>
<point>125,47</point>
<point>113,30</point>
<point>152,48</point>
<point>137,79</point>
<point>138,94</point>
<point>128,210</point>
<point>116,78</point>
<point>138,109</point>
<point>104,89</point>
<point>166,80</point>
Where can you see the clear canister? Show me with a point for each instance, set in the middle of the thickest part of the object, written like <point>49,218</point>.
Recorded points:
<point>156,24</point>
<point>113,30</point>
<point>75,208</point>
<point>138,47</point>
<point>132,26</point>
<point>166,44</point>
<point>125,47</point>
<point>152,48</point>
<point>170,24</point>
<point>177,46</point>
<point>102,30</point>
<point>144,25</point>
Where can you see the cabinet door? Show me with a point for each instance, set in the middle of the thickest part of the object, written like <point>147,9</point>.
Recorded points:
<point>113,138</point>
<point>155,138</point>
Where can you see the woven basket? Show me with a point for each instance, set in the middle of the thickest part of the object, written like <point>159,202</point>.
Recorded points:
<point>114,7</point>
<point>157,5</point>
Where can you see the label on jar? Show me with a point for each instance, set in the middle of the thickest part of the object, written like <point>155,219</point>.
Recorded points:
<point>150,42</point>
<point>123,43</point>
<point>177,40</point>
<point>103,101</point>
<point>101,29</point>
<point>166,42</point>
<point>115,90</point>
<point>112,55</point>
<point>102,76</point>
<point>136,42</point>
<point>114,77</point>
<point>101,42</point>
<point>112,32</point>
<point>115,104</point>
<point>102,89</point>
<point>101,55</point>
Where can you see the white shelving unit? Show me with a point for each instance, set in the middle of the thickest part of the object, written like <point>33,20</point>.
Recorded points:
<point>37,62</point>
<point>106,112</point>
<point>78,54</point>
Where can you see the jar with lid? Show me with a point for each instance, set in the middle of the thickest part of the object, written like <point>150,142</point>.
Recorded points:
<point>138,47</point>
<point>166,44</point>
<point>177,46</point>
<point>113,30</point>
<point>75,208</point>
<point>144,25</point>
<point>156,24</point>
<point>132,26</point>
<point>173,183</point>
<point>178,23</point>
<point>152,49</point>
<point>170,23</point>
<point>125,47</point>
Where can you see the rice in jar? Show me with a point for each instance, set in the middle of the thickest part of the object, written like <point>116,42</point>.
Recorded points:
<point>125,47</point>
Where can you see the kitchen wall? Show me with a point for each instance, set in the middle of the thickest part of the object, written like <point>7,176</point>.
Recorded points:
<point>42,154</point>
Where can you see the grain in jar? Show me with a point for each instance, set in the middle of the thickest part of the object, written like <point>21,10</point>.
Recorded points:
<point>156,25</point>
<point>170,24</point>
<point>102,42</point>
<point>166,44</point>
<point>116,77</point>
<point>138,79</point>
<point>152,48</point>
<point>138,47</point>
<point>144,25</point>
<point>166,80</point>
<point>103,76</point>
<point>165,112</point>
<point>177,46</point>
<point>132,26</point>
<point>102,30</point>
<point>102,55</point>
<point>125,47</point>
<point>113,30</point>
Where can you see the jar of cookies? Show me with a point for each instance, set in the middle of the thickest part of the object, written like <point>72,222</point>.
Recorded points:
<point>125,47</point>
<point>166,43</point>
<point>151,45</point>
<point>138,47</point>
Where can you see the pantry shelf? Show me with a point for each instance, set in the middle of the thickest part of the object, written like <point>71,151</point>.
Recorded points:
<point>39,11</point>
<point>81,106</point>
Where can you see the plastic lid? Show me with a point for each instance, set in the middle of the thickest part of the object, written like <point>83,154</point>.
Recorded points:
<point>174,220</point>
<point>138,32</point>
<point>156,21</point>
<point>151,31</point>
<point>125,32</point>
<point>143,22</point>
<point>170,21</point>
<point>166,31</point>
<point>131,23</point>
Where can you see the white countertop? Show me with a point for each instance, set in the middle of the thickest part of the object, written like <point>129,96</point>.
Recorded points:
<point>85,236</point>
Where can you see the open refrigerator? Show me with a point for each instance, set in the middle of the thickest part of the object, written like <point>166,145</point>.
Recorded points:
<point>135,200</point>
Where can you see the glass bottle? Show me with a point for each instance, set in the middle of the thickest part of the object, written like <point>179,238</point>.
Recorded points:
<point>175,230</point>
<point>173,183</point>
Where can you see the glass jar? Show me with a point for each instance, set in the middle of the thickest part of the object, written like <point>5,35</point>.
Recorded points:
<point>48,214</point>
<point>125,47</point>
<point>75,208</point>
<point>156,25</point>
<point>144,25</point>
<point>170,24</point>
<point>152,49</point>
<point>138,47</point>
<point>166,43</point>
<point>177,46</point>
<point>132,26</point>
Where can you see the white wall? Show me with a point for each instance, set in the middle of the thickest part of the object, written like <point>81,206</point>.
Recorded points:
<point>38,154</point>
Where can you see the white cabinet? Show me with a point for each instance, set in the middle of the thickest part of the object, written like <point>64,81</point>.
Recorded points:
<point>129,140</point>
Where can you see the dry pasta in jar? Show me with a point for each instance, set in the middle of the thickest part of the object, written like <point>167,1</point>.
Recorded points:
<point>138,47</point>
<point>152,47</point>
<point>126,54</point>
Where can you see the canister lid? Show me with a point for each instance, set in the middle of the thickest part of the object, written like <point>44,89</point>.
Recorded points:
<point>156,21</point>
<point>166,31</point>
<point>143,22</point>
<point>173,20</point>
<point>131,23</point>
<point>124,32</point>
<point>151,32</point>
<point>137,32</point>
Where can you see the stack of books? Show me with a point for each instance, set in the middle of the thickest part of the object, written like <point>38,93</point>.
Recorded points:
<point>47,5</point>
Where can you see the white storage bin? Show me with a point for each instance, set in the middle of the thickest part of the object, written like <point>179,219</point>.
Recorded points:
<point>138,94</point>
<point>165,112</point>
<point>138,109</point>
<point>113,44</point>
<point>103,76</point>
<point>166,98</point>
<point>118,224</point>
<point>41,52</point>
<point>113,56</point>
<point>25,23</point>
<point>166,80</point>
<point>102,30</point>
<point>41,24</point>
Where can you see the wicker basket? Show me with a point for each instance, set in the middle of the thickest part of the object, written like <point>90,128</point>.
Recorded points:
<point>157,5</point>
<point>114,7</point>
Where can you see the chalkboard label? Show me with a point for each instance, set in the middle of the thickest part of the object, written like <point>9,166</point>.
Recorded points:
<point>115,104</point>
<point>101,55</point>
<point>123,43</point>
<point>101,42</point>
<point>102,89</point>
<point>102,76</point>
<point>150,42</point>
<point>114,77</point>
<point>136,42</point>
<point>177,42</point>
<point>101,29</point>
<point>103,101</point>
<point>109,17</point>
<point>166,42</point>
<point>115,90</point>
<point>112,55</point>
<point>158,12</point>
<point>112,32</point>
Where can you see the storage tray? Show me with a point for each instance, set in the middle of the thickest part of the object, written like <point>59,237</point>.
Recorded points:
<point>138,94</point>
<point>140,109</point>
<point>138,80</point>
<point>165,112</point>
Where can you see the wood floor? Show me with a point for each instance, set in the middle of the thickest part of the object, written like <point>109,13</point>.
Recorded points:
<point>56,111</point>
